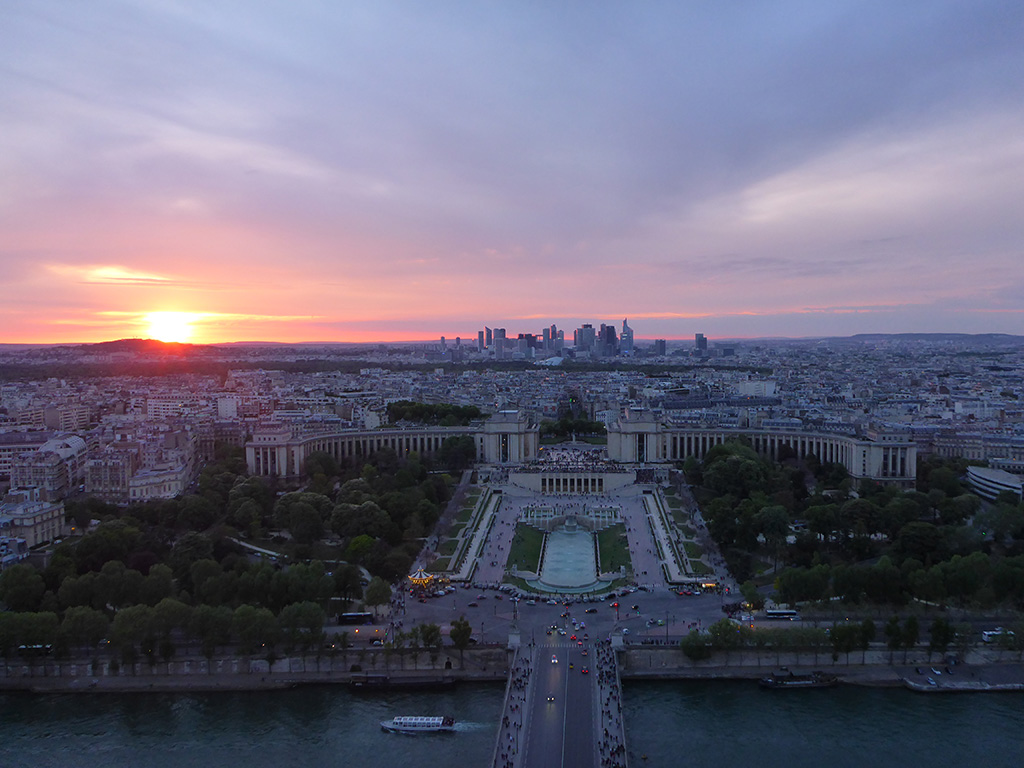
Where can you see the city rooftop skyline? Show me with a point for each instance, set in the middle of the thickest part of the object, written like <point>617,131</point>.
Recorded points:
<point>398,171</point>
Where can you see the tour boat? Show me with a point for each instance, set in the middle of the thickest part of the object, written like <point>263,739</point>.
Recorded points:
<point>813,680</point>
<point>419,724</point>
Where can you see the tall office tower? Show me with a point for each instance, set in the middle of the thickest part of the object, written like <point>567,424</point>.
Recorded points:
<point>701,343</point>
<point>444,345</point>
<point>626,339</point>
<point>585,338</point>
<point>546,338</point>
<point>554,332</point>
<point>607,341</point>
<point>458,342</point>
<point>660,347</point>
<point>480,341</point>
<point>559,340</point>
<point>499,343</point>
<point>488,339</point>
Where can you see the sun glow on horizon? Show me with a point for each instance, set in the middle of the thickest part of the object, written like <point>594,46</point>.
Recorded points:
<point>170,326</point>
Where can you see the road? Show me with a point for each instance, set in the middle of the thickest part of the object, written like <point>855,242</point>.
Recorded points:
<point>561,732</point>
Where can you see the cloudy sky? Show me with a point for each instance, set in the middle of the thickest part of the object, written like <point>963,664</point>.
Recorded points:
<point>401,170</point>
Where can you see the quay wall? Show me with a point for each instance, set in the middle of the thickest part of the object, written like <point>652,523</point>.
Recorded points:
<point>377,667</point>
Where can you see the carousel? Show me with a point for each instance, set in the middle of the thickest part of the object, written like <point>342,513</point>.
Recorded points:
<point>420,579</point>
<point>423,584</point>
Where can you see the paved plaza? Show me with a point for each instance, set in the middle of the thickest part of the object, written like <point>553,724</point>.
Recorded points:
<point>647,609</point>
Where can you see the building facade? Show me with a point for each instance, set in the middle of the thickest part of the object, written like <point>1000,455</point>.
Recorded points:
<point>639,438</point>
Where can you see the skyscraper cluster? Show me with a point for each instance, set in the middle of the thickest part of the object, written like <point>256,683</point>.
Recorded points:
<point>587,342</point>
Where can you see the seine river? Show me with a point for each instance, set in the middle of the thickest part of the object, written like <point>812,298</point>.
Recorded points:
<point>675,724</point>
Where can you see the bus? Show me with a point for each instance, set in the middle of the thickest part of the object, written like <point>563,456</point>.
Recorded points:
<point>355,618</point>
<point>783,614</point>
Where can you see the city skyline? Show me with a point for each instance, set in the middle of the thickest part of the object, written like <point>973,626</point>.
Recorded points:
<point>393,172</point>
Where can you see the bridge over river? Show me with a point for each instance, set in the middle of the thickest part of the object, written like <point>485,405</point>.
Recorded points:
<point>563,707</point>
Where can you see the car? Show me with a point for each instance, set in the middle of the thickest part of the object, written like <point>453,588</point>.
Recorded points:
<point>584,652</point>
<point>552,602</point>
<point>573,637</point>
<point>935,672</point>
<point>585,671</point>
<point>474,605</point>
<point>579,643</point>
<point>554,659</point>
<point>548,632</point>
<point>481,597</point>
<point>531,602</point>
<point>625,630</point>
<point>571,665</point>
<point>591,610</point>
<point>636,607</point>
<point>931,682</point>
<point>551,697</point>
<point>562,632</point>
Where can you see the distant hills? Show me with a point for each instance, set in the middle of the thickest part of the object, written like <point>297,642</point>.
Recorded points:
<point>150,347</point>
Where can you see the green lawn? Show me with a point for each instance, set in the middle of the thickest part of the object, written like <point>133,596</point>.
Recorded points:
<point>464,514</point>
<point>692,550</point>
<point>700,569</point>
<point>688,532</point>
<point>441,564</point>
<point>447,547</point>
<point>614,548</point>
<point>525,550</point>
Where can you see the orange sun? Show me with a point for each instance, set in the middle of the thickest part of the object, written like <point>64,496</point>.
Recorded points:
<point>170,326</point>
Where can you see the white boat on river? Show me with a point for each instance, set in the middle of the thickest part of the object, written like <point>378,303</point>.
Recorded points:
<point>418,724</point>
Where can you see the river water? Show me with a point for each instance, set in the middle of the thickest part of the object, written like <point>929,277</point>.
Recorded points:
<point>701,724</point>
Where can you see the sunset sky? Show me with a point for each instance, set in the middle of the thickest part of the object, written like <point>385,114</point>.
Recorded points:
<point>354,171</point>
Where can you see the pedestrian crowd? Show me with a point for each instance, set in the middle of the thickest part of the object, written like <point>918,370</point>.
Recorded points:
<point>510,736</point>
<point>611,737</point>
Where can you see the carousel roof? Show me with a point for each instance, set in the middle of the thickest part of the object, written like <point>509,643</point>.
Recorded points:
<point>420,576</point>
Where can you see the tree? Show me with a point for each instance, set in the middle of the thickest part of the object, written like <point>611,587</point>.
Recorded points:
<point>461,633</point>
<point>211,627</point>
<point>430,636</point>
<point>893,635</point>
<point>133,631</point>
<point>254,628</point>
<point>158,584</point>
<point>941,635</point>
<point>457,453</point>
<point>303,625</point>
<point>911,634</point>
<point>773,524</point>
<point>21,587</point>
<point>867,636</point>
<point>170,615</point>
<point>84,627</point>
<point>378,592</point>
<point>751,595</point>
<point>696,646</point>
<point>190,548</point>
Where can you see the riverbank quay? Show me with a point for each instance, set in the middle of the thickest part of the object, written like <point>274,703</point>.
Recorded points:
<point>367,669</point>
<point>987,670</point>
